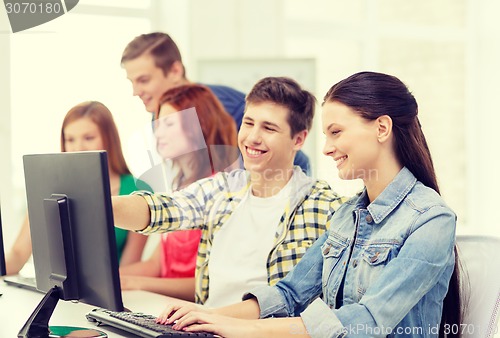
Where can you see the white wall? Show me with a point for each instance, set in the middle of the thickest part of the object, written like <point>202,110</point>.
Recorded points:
<point>6,186</point>
<point>483,116</point>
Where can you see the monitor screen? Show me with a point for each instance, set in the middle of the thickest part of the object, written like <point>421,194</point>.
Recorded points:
<point>72,229</point>
<point>2,253</point>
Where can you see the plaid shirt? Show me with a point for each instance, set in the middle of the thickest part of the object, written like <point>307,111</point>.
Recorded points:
<point>207,204</point>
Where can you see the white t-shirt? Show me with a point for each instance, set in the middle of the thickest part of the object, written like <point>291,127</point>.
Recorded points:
<point>241,247</point>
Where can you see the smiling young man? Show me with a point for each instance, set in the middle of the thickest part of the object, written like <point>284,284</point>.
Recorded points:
<point>153,64</point>
<point>256,223</point>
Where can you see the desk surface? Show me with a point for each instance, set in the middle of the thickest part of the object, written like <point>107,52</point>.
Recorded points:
<point>16,305</point>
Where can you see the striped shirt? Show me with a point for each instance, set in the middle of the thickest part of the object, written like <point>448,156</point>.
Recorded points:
<point>208,203</point>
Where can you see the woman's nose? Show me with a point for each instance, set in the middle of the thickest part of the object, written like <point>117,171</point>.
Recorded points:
<point>328,148</point>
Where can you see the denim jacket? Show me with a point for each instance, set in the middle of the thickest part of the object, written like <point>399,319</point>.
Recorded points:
<point>384,268</point>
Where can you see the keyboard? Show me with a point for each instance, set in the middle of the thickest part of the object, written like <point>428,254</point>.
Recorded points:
<point>140,324</point>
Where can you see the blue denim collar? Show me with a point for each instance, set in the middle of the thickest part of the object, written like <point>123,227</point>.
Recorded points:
<point>390,198</point>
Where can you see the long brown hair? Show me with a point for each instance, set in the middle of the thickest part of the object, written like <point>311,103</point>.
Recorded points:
<point>372,95</point>
<point>101,116</point>
<point>217,126</point>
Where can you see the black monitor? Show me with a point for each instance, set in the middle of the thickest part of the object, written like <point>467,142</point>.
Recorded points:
<point>72,233</point>
<point>3,268</point>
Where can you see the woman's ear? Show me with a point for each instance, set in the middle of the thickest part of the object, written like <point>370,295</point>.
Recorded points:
<point>384,128</point>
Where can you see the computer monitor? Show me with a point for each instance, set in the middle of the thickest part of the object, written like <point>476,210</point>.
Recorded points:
<point>3,268</point>
<point>72,232</point>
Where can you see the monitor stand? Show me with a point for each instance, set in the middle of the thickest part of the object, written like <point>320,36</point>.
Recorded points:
<point>37,325</point>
